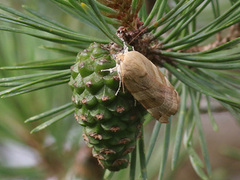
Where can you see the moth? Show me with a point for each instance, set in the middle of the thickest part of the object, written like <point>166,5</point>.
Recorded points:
<point>148,85</point>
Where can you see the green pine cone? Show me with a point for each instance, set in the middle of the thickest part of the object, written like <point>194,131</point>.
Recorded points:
<point>111,123</point>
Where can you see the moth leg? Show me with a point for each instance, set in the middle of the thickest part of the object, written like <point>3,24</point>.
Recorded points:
<point>135,102</point>
<point>110,69</point>
<point>118,66</point>
<point>119,87</point>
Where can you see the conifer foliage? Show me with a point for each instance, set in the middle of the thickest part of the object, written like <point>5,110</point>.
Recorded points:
<point>199,60</point>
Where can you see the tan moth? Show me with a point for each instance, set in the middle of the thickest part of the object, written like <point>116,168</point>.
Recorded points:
<point>148,85</point>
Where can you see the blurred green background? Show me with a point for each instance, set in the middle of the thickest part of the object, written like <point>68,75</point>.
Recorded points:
<point>53,152</point>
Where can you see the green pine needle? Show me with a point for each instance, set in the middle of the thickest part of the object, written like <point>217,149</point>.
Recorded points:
<point>212,120</point>
<point>192,80</point>
<point>48,113</point>
<point>52,121</point>
<point>153,139</point>
<point>142,158</point>
<point>66,51</point>
<point>180,127</point>
<point>133,164</point>
<point>200,132</point>
<point>108,175</point>
<point>174,27</point>
<point>165,149</point>
<point>60,74</point>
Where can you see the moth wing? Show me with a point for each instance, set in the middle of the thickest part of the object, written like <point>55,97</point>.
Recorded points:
<point>149,86</point>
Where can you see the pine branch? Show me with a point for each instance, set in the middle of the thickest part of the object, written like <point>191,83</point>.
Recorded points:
<point>167,34</point>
